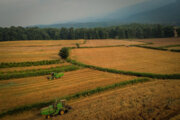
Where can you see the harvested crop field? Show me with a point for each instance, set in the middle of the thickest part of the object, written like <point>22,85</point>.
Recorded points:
<point>161,42</point>
<point>37,89</point>
<point>20,51</point>
<point>109,42</point>
<point>31,67</point>
<point>130,59</point>
<point>39,43</point>
<point>153,100</point>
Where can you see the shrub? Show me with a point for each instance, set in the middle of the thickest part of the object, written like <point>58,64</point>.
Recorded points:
<point>64,53</point>
<point>77,45</point>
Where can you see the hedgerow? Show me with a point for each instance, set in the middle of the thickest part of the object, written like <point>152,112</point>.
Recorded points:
<point>25,64</point>
<point>74,96</point>
<point>150,75</point>
<point>36,72</point>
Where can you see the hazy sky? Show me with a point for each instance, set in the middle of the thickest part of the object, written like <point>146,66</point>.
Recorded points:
<point>31,12</point>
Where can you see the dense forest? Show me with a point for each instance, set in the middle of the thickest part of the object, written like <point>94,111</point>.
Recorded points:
<point>115,32</point>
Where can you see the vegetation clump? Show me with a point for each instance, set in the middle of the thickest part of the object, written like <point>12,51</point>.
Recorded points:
<point>64,53</point>
<point>77,45</point>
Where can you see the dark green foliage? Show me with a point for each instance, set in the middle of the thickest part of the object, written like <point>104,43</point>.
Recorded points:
<point>150,47</point>
<point>174,50</point>
<point>77,45</point>
<point>116,32</point>
<point>150,75</point>
<point>74,96</point>
<point>24,64</point>
<point>36,72</point>
<point>178,31</point>
<point>64,53</point>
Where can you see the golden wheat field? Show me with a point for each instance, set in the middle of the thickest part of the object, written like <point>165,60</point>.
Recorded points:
<point>21,51</point>
<point>109,42</point>
<point>130,59</point>
<point>154,100</point>
<point>4,70</point>
<point>30,90</point>
<point>158,100</point>
<point>161,42</point>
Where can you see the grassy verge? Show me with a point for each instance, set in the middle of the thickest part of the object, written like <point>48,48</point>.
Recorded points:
<point>173,50</point>
<point>150,47</point>
<point>150,75</point>
<point>74,96</point>
<point>36,72</point>
<point>170,46</point>
<point>25,64</point>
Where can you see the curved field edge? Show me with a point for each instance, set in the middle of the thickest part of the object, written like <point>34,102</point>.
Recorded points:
<point>139,74</point>
<point>25,64</point>
<point>37,72</point>
<point>74,96</point>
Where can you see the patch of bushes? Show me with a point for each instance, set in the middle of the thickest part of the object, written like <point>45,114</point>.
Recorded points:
<point>174,50</point>
<point>150,75</point>
<point>25,64</point>
<point>64,53</point>
<point>77,45</point>
<point>74,96</point>
<point>36,72</point>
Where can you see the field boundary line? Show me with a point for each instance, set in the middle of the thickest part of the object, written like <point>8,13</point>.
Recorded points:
<point>28,64</point>
<point>156,48</point>
<point>139,74</point>
<point>37,72</point>
<point>75,96</point>
<point>163,48</point>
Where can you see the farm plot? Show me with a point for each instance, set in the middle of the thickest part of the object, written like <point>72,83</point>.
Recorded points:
<point>161,42</point>
<point>31,90</point>
<point>21,51</point>
<point>130,59</point>
<point>39,43</point>
<point>4,70</point>
<point>109,42</point>
<point>152,100</point>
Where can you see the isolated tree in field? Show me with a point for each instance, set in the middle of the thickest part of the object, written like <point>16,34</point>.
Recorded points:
<point>64,53</point>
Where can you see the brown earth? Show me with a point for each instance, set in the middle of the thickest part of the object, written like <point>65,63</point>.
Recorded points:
<point>30,90</point>
<point>156,100</point>
<point>130,59</point>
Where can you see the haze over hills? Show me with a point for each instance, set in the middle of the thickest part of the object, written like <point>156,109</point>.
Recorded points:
<point>152,11</point>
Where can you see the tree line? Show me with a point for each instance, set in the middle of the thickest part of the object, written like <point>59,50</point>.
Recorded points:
<point>115,32</point>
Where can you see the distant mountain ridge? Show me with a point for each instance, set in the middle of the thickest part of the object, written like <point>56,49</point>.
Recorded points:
<point>150,12</point>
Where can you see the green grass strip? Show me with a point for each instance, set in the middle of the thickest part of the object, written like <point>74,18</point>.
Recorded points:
<point>170,46</point>
<point>150,47</point>
<point>74,96</point>
<point>37,72</point>
<point>174,50</point>
<point>25,64</point>
<point>157,48</point>
<point>101,46</point>
<point>139,74</point>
